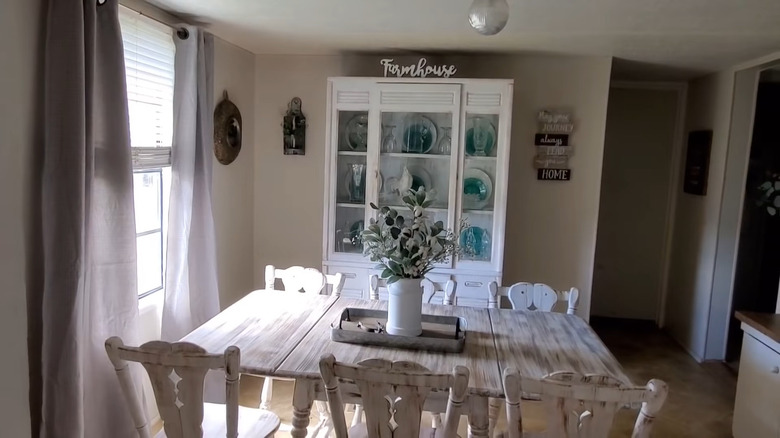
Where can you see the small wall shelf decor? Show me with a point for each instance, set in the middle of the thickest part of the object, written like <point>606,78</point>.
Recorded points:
<point>451,136</point>
<point>294,129</point>
<point>227,130</point>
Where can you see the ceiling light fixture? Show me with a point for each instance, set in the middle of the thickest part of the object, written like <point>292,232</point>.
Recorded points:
<point>488,17</point>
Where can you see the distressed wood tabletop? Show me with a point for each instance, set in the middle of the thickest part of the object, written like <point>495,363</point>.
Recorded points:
<point>538,343</point>
<point>284,334</point>
<point>266,325</point>
<point>479,352</point>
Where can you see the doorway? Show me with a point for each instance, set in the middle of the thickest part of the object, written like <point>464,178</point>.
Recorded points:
<point>757,269</point>
<point>635,204</point>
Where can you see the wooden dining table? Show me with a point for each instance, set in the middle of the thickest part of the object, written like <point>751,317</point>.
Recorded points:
<point>284,334</point>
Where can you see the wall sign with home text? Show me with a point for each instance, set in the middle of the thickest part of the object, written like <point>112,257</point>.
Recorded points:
<point>421,69</point>
<point>553,174</point>
<point>553,148</point>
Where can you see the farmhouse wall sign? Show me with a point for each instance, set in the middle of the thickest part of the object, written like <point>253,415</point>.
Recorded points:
<point>227,130</point>
<point>552,146</point>
<point>419,70</point>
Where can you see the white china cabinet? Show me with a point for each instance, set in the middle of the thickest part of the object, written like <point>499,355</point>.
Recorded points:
<point>385,135</point>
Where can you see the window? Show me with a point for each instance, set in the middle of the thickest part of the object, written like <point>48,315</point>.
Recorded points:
<point>149,58</point>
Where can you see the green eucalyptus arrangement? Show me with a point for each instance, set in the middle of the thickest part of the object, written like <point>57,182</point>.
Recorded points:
<point>769,196</point>
<point>408,248</point>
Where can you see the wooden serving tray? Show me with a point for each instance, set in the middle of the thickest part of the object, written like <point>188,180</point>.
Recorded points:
<point>366,326</point>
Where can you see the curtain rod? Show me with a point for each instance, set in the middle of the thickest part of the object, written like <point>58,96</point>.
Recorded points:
<point>156,14</point>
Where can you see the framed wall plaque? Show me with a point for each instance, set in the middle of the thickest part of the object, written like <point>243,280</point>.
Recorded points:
<point>697,162</point>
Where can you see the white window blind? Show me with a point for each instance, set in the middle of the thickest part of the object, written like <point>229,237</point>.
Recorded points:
<point>149,58</point>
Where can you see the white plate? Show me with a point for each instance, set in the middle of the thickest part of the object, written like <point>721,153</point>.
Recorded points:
<point>471,202</point>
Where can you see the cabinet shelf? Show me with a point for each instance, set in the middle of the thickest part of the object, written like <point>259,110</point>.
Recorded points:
<point>405,208</point>
<point>353,153</point>
<point>473,211</point>
<point>425,156</point>
<point>476,158</point>
<point>350,205</point>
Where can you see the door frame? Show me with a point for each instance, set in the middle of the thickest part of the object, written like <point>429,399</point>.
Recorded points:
<point>675,166</point>
<point>740,141</point>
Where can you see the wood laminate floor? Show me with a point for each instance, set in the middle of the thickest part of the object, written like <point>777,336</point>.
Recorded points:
<point>699,405</point>
<point>701,396</point>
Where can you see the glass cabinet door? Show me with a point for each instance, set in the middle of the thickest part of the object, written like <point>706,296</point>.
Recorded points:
<point>477,195</point>
<point>416,151</point>
<point>351,171</point>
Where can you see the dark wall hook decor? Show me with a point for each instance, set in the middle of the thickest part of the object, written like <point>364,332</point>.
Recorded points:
<point>294,129</point>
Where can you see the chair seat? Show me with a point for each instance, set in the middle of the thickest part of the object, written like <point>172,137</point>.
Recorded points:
<point>251,422</point>
<point>360,431</point>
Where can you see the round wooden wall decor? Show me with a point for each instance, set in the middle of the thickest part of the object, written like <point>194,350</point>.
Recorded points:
<point>227,131</point>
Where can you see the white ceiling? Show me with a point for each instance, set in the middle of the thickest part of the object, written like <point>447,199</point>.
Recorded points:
<point>692,36</point>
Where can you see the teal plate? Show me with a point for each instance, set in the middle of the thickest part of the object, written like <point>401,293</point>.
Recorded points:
<point>477,241</point>
<point>356,228</point>
<point>489,131</point>
<point>355,233</point>
<point>417,182</point>
<point>475,186</point>
<point>356,132</point>
<point>419,136</point>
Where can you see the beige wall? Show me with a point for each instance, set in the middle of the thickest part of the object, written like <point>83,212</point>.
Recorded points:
<point>551,226</point>
<point>634,200</point>
<point>696,218</point>
<point>551,230</point>
<point>233,185</point>
<point>288,200</point>
<point>19,47</point>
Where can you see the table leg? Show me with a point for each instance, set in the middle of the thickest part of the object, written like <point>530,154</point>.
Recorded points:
<point>478,416</point>
<point>303,397</point>
<point>494,409</point>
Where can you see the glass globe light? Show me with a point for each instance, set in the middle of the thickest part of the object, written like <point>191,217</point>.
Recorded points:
<point>488,17</point>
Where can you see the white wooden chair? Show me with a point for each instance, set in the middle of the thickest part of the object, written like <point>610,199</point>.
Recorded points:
<point>533,296</point>
<point>177,372</point>
<point>527,296</point>
<point>580,406</point>
<point>393,394</point>
<point>430,289</point>
<point>336,283</point>
<point>297,279</point>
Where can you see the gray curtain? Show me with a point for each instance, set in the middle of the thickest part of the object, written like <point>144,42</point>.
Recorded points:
<point>191,291</point>
<point>89,291</point>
